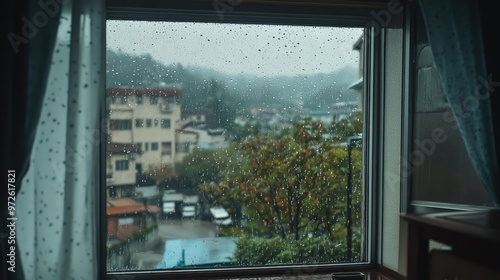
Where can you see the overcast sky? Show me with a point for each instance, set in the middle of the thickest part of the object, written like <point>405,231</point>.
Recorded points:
<point>233,48</point>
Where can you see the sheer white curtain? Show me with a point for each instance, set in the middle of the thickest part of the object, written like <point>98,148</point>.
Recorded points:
<point>56,208</point>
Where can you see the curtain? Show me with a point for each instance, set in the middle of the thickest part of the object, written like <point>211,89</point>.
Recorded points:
<point>19,106</point>
<point>57,206</point>
<point>454,32</point>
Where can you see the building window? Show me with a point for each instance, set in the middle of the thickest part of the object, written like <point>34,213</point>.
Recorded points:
<point>121,165</point>
<point>148,122</point>
<point>154,146</point>
<point>113,99</point>
<point>138,99</point>
<point>125,221</point>
<point>165,123</point>
<point>139,145</point>
<point>437,149</point>
<point>139,122</point>
<point>153,100</point>
<point>169,100</point>
<point>156,122</point>
<point>166,148</point>
<point>120,124</point>
<point>146,146</point>
<point>123,99</point>
<point>182,147</point>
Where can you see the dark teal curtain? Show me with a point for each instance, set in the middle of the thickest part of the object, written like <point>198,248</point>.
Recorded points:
<point>29,36</point>
<point>454,32</point>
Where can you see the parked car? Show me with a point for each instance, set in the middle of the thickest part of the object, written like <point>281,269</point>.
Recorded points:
<point>220,216</point>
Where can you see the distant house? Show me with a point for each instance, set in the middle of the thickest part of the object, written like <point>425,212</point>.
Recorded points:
<point>120,171</point>
<point>359,45</point>
<point>194,117</point>
<point>186,140</point>
<point>125,218</point>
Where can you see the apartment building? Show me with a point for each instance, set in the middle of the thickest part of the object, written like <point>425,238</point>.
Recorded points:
<point>148,119</point>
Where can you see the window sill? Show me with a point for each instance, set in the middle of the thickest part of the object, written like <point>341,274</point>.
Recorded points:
<point>375,274</point>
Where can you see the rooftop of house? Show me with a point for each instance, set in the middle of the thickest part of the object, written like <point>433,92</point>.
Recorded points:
<point>144,91</point>
<point>123,206</point>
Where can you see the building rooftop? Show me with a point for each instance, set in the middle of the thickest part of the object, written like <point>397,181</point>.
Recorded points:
<point>144,91</point>
<point>122,206</point>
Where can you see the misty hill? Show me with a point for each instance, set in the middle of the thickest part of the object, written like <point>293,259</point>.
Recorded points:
<point>314,91</point>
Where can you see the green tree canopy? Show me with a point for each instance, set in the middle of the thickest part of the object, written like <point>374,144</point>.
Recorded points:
<point>289,185</point>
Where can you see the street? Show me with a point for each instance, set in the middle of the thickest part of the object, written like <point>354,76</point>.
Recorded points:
<point>182,229</point>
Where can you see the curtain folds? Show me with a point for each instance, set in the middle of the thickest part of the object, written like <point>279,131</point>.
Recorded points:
<point>454,32</point>
<point>57,206</point>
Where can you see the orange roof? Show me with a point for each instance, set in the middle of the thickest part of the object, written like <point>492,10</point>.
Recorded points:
<point>153,209</point>
<point>122,206</point>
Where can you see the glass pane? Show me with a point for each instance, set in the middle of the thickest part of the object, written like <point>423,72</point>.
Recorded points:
<point>438,149</point>
<point>257,150</point>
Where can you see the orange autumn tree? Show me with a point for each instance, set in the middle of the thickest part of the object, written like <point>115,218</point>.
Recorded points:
<point>288,185</point>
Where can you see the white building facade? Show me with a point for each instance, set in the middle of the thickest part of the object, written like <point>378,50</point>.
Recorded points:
<point>146,118</point>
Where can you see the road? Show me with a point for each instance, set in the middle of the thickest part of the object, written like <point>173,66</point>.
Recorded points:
<point>182,229</point>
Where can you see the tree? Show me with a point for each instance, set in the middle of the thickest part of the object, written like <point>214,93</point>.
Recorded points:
<point>159,172</point>
<point>287,185</point>
<point>343,128</point>
<point>202,166</point>
<point>223,109</point>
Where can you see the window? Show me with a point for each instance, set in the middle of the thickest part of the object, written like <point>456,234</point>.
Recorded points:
<point>285,98</point>
<point>148,122</point>
<point>165,123</point>
<point>182,147</point>
<point>138,99</point>
<point>139,145</point>
<point>120,124</point>
<point>124,221</point>
<point>154,146</point>
<point>139,122</point>
<point>166,148</point>
<point>146,146</point>
<point>437,149</point>
<point>121,165</point>
<point>153,100</point>
<point>169,100</point>
<point>123,99</point>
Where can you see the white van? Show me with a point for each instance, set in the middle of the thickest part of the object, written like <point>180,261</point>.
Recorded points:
<point>169,208</point>
<point>220,216</point>
<point>188,211</point>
